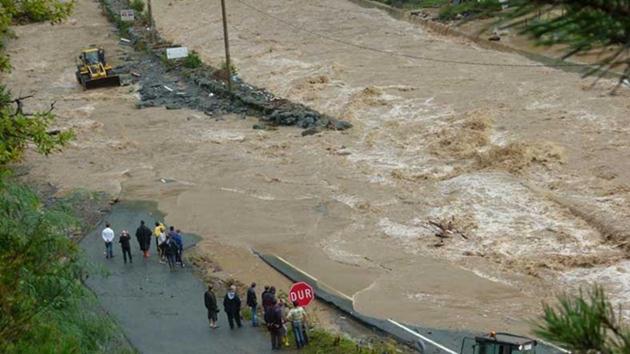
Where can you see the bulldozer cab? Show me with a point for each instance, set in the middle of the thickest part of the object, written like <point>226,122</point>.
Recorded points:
<point>93,56</point>
<point>498,343</point>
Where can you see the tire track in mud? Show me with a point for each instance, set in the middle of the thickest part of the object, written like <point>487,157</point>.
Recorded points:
<point>174,86</point>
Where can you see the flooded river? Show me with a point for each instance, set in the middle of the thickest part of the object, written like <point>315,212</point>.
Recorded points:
<point>527,165</point>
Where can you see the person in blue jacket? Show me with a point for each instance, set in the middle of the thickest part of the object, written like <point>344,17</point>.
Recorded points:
<point>179,241</point>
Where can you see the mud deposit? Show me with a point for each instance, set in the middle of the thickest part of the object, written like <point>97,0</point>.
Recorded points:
<point>528,163</point>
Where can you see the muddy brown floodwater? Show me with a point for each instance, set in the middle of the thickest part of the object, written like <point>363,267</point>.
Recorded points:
<point>527,162</point>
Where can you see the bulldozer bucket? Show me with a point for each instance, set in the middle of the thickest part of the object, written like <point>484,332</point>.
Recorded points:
<point>104,82</point>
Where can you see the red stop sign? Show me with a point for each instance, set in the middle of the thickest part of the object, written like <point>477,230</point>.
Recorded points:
<point>301,293</point>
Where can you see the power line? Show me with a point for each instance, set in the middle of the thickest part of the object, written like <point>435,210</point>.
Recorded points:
<point>403,55</point>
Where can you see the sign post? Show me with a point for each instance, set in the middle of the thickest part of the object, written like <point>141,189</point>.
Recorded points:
<point>302,293</point>
<point>226,41</point>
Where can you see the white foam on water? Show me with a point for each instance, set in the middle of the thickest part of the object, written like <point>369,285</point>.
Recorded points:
<point>402,231</point>
<point>380,179</point>
<point>512,220</point>
<point>261,196</point>
<point>349,200</point>
<point>490,277</point>
<point>220,136</point>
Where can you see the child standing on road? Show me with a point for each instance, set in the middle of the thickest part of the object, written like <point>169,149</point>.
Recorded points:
<point>125,245</point>
<point>283,330</point>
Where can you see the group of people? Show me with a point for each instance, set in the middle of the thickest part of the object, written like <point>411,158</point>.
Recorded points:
<point>169,245</point>
<point>276,314</point>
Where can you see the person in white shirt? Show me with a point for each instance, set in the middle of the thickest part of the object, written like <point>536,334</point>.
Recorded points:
<point>108,237</point>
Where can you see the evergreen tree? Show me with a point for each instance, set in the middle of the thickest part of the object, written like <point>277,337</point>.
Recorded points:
<point>586,323</point>
<point>583,26</point>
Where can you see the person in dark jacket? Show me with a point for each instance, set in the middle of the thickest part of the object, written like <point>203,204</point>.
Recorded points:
<point>143,235</point>
<point>267,297</point>
<point>170,249</point>
<point>273,318</point>
<point>262,298</point>
<point>252,302</point>
<point>232,307</point>
<point>125,245</point>
<point>179,240</point>
<point>210,301</point>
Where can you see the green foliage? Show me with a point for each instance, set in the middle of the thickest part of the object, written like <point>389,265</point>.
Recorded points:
<point>45,307</point>
<point>321,341</point>
<point>137,6</point>
<point>28,11</point>
<point>123,27</point>
<point>169,64</point>
<point>40,267</point>
<point>586,323</point>
<point>469,9</point>
<point>582,26</point>
<point>193,60</point>
<point>17,130</point>
<point>37,10</point>
<point>247,313</point>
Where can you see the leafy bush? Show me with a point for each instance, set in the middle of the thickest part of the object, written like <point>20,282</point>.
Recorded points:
<point>29,11</point>
<point>586,323</point>
<point>45,307</point>
<point>39,10</point>
<point>193,60</point>
<point>579,26</point>
<point>322,341</point>
<point>18,130</point>
<point>137,6</point>
<point>40,268</point>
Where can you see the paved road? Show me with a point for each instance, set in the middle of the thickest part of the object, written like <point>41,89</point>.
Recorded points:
<point>160,311</point>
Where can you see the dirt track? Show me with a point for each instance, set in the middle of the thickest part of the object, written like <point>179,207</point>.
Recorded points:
<point>503,151</point>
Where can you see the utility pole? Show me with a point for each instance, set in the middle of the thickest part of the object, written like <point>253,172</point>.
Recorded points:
<point>227,47</point>
<point>151,22</point>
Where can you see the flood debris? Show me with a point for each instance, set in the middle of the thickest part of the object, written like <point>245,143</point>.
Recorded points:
<point>445,228</point>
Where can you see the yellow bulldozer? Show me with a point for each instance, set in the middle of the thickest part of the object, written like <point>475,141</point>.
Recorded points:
<point>93,71</point>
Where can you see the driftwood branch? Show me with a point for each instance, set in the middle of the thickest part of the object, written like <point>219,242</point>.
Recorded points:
<point>19,104</point>
<point>446,228</point>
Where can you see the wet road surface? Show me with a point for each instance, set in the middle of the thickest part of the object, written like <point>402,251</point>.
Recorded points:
<point>159,311</point>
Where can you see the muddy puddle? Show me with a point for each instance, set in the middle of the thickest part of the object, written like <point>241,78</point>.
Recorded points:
<point>490,152</point>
